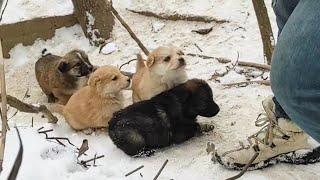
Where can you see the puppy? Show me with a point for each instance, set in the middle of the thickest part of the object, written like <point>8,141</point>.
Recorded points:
<point>164,69</point>
<point>60,77</point>
<point>167,118</point>
<point>93,106</point>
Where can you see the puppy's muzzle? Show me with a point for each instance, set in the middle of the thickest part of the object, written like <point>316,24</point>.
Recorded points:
<point>182,62</point>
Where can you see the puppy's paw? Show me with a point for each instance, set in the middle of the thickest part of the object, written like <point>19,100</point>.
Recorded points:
<point>88,131</point>
<point>206,128</point>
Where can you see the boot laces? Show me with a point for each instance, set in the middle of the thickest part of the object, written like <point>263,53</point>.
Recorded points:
<point>266,135</point>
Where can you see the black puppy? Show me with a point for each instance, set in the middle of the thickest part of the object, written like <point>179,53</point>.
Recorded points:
<point>167,118</point>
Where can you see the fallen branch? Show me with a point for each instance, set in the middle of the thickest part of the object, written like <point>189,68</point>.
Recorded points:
<point>246,83</point>
<point>265,28</point>
<point>135,170</point>
<point>240,63</point>
<point>180,17</point>
<point>160,170</point>
<point>28,108</point>
<point>127,27</point>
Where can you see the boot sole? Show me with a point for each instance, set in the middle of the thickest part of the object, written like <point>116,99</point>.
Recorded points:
<point>294,157</point>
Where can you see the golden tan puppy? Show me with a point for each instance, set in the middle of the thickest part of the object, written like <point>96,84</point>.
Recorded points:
<point>93,105</point>
<point>164,69</point>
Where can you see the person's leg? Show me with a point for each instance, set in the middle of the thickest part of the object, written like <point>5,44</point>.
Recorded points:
<point>283,10</point>
<point>295,77</point>
<point>296,84</point>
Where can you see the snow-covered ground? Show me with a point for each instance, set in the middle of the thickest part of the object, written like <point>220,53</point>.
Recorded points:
<point>239,106</point>
<point>21,10</point>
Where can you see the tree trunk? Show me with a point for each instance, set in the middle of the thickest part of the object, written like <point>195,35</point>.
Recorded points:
<point>95,18</point>
<point>265,28</point>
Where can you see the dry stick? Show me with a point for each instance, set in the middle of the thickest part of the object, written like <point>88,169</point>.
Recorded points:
<point>125,25</point>
<point>28,108</point>
<point>240,63</point>
<point>61,138</point>
<point>92,159</point>
<point>135,170</point>
<point>177,17</point>
<point>4,117</point>
<point>15,113</point>
<point>45,131</point>
<point>265,28</point>
<point>245,83</point>
<point>160,170</point>
<point>196,45</point>
<point>245,168</point>
<point>17,163</point>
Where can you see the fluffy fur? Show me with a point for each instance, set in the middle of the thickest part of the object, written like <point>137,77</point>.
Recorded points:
<point>164,69</point>
<point>60,77</point>
<point>93,105</point>
<point>167,118</point>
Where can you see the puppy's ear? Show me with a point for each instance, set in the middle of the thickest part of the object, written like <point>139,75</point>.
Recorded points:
<point>93,81</point>
<point>150,60</point>
<point>63,67</point>
<point>140,62</point>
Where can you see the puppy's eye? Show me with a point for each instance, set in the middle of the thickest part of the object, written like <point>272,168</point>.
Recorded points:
<point>114,78</point>
<point>167,59</point>
<point>78,64</point>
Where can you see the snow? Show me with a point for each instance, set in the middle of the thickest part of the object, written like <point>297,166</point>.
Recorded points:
<point>21,10</point>
<point>239,106</point>
<point>109,48</point>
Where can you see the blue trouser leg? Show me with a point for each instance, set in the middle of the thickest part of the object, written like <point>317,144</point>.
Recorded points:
<point>295,72</point>
<point>283,9</point>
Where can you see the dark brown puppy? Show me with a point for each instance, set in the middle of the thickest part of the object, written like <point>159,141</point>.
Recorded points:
<point>168,118</point>
<point>60,77</point>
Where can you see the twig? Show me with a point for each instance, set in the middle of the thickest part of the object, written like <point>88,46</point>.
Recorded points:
<point>40,128</point>
<point>32,122</point>
<point>61,138</point>
<point>45,131</point>
<point>245,168</point>
<point>5,6</point>
<point>17,163</point>
<point>240,63</point>
<point>84,163</point>
<point>135,170</point>
<point>160,170</point>
<point>28,108</point>
<point>178,17</point>
<point>60,143</point>
<point>127,63</point>
<point>196,45</point>
<point>246,83</point>
<point>125,25</point>
<point>94,161</point>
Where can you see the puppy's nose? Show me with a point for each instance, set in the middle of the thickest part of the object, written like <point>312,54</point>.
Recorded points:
<point>90,68</point>
<point>182,62</point>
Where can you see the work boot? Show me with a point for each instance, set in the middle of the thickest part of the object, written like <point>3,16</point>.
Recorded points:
<point>279,140</point>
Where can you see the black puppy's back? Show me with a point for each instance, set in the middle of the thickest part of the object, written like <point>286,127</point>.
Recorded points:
<point>164,119</point>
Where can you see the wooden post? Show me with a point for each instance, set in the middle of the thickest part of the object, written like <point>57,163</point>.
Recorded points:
<point>95,18</point>
<point>265,28</point>
<point>3,108</point>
